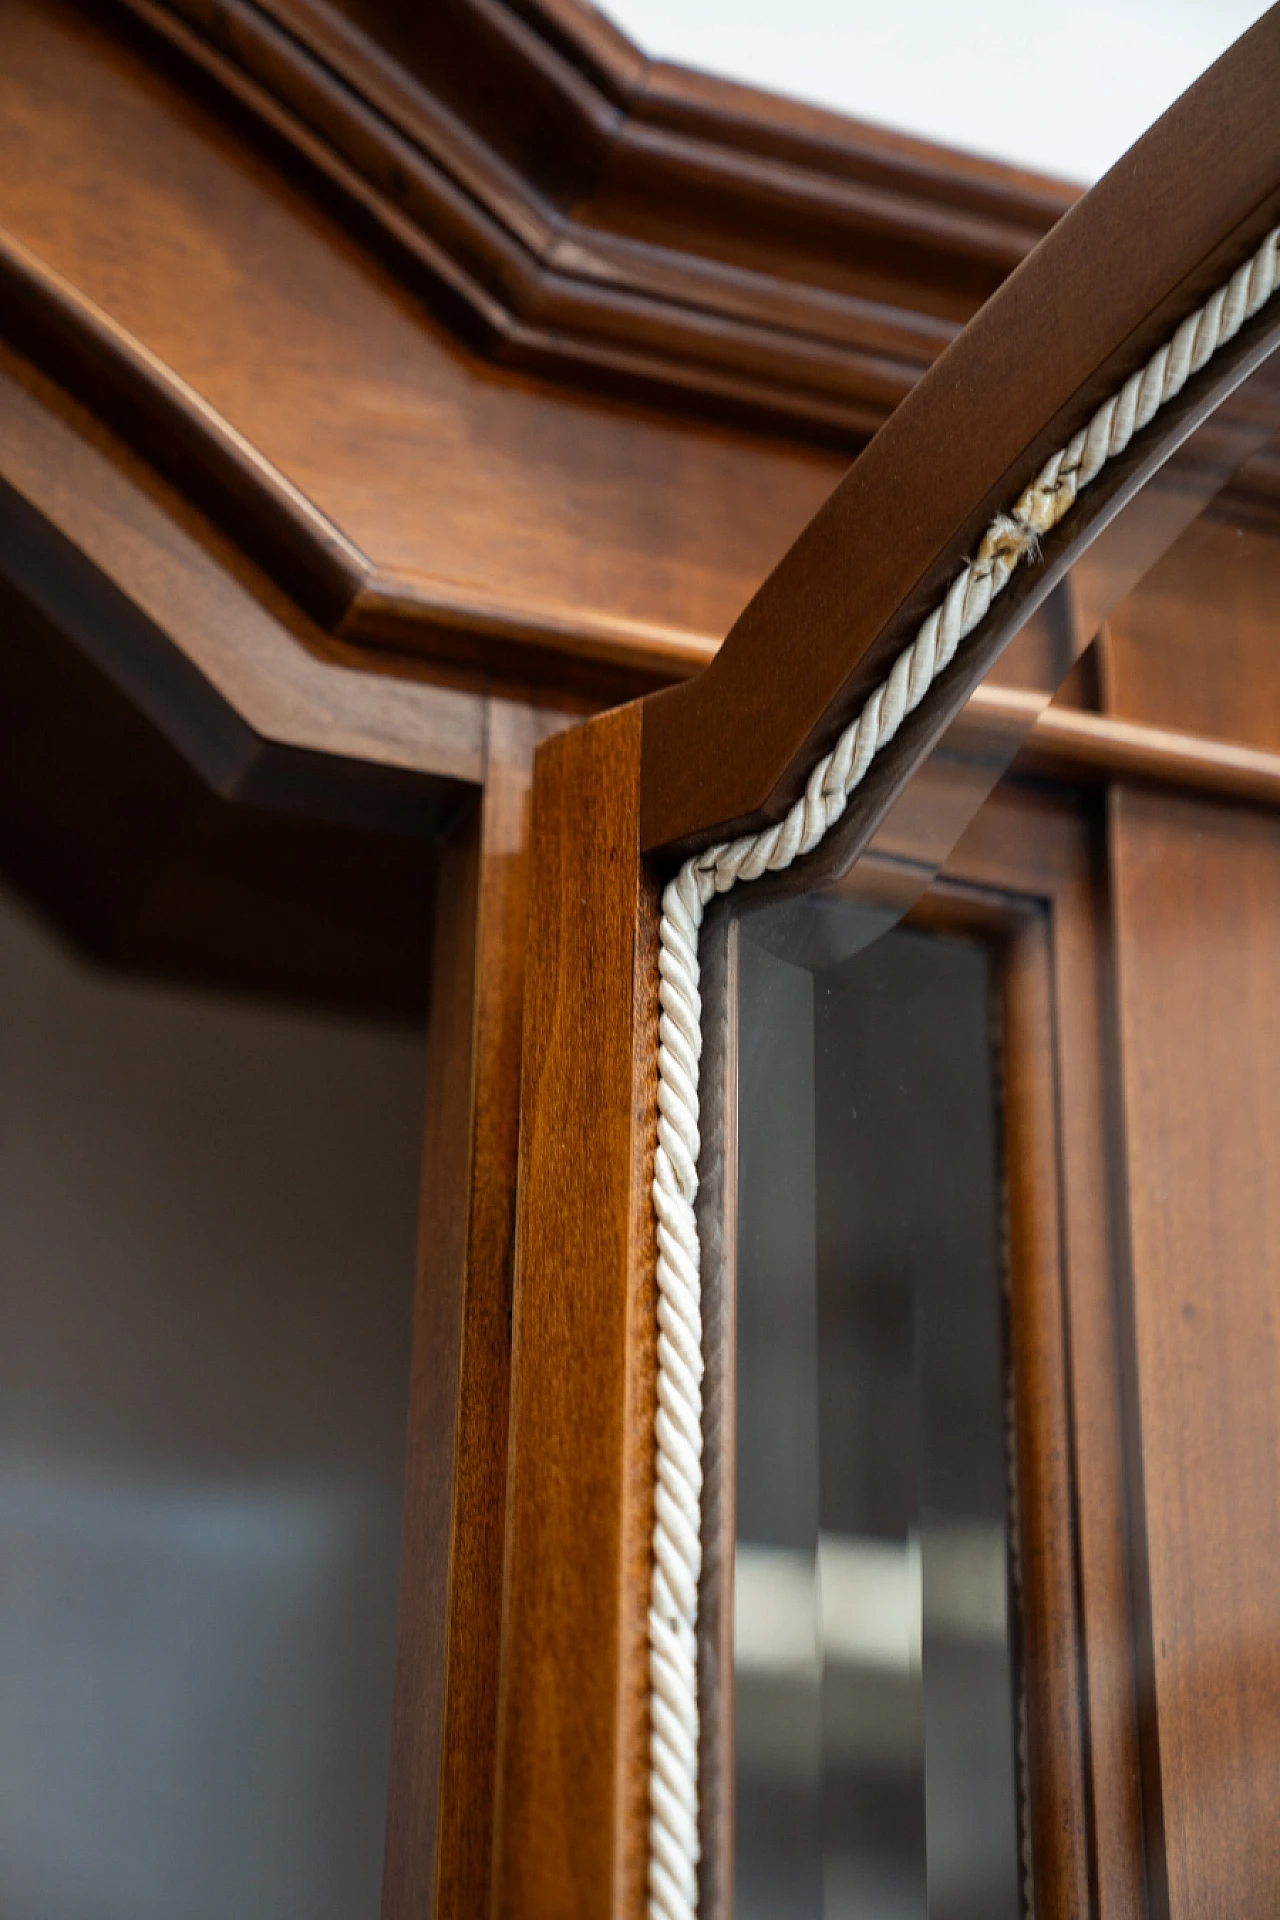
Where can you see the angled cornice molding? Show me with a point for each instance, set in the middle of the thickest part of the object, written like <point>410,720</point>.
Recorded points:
<point>603,655</point>
<point>587,114</point>
<point>581,212</point>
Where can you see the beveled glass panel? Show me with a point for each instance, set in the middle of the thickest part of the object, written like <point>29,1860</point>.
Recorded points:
<point>874,1660</point>
<point>852,1226</point>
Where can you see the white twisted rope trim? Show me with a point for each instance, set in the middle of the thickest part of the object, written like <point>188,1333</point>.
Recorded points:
<point>677,1545</point>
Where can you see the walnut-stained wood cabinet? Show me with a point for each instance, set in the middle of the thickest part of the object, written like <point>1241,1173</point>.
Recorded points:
<point>458,481</point>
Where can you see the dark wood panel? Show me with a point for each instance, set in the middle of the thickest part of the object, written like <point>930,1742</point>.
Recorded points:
<point>572,1813</point>
<point>163,834</point>
<point>1196,892</point>
<point>416,1771</point>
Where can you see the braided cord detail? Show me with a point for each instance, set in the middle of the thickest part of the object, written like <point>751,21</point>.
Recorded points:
<point>677,1546</point>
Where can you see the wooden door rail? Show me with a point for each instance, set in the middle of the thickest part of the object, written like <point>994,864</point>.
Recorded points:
<point>729,751</point>
<point>1096,746</point>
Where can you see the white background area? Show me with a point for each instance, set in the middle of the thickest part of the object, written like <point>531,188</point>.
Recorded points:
<point>1062,90</point>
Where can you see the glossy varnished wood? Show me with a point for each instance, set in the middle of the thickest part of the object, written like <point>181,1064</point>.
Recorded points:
<point>577,208</point>
<point>1196,905</point>
<point>1084,746</point>
<point>335,377</point>
<point>630,540</point>
<point>250,428</point>
<point>279,673</point>
<point>273,523</point>
<point>465,1840</point>
<point>1117,273</point>
<point>1041,856</point>
<point>445,1719</point>
<point>422,1646</point>
<point>1194,647</point>
<point>572,1775</point>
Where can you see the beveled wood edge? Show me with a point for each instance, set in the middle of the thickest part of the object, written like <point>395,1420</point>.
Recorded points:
<point>402,613</point>
<point>573,1732</point>
<point>409,613</point>
<point>69,337</point>
<point>758,122</point>
<point>596,655</point>
<point>1014,913</point>
<point>444,1722</point>
<point>440,1313</point>
<point>533,286</point>
<point>1019,924</point>
<point>150,591</point>
<point>585,648</point>
<point>1152,240</point>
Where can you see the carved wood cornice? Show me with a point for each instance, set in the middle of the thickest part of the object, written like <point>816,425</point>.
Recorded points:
<point>1183,212</point>
<point>582,212</point>
<point>566,206</point>
<point>359,602</point>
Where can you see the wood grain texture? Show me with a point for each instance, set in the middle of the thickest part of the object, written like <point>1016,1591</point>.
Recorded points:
<point>426,1553</point>
<point>469,1746</point>
<point>274,524</point>
<point>458,482</point>
<point>279,374</point>
<point>1023,849</point>
<point>1187,204</point>
<point>277,671</point>
<point>440,1807</point>
<point>571,1819</point>
<point>1196,901</point>
<point>1052,1627</point>
<point>1194,646</point>
<point>580,210</point>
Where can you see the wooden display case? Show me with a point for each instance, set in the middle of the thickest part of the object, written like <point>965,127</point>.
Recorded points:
<point>395,413</point>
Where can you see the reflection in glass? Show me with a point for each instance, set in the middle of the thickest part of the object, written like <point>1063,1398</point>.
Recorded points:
<point>875,1774</point>
<point>207,1224</point>
<point>850,1227</point>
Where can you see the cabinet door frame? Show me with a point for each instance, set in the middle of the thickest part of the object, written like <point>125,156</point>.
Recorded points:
<point>618,803</point>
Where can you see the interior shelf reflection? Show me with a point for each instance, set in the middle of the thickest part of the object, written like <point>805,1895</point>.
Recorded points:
<point>874,1630</point>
